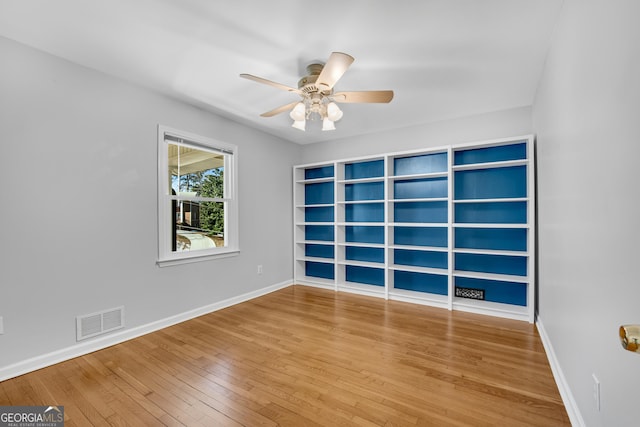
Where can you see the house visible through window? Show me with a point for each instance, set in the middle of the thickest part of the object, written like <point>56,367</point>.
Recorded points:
<point>197,202</point>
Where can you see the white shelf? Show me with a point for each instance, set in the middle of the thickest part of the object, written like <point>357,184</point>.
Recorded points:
<point>422,199</point>
<point>420,248</point>
<point>315,242</point>
<point>361,180</point>
<point>487,225</point>
<point>415,269</point>
<point>319,205</point>
<point>316,282</point>
<point>419,224</point>
<point>418,176</point>
<point>315,180</point>
<point>490,252</point>
<point>362,263</point>
<point>356,202</point>
<point>511,311</point>
<point>361,288</point>
<point>504,199</point>
<point>317,259</point>
<point>411,296</point>
<point>490,165</point>
<point>491,276</point>
<point>360,224</point>
<point>362,245</point>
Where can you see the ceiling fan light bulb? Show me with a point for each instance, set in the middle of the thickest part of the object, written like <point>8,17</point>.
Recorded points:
<point>333,112</point>
<point>299,124</point>
<point>327,124</point>
<point>298,112</point>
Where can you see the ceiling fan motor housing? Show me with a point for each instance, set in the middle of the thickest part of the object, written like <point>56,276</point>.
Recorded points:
<point>307,84</point>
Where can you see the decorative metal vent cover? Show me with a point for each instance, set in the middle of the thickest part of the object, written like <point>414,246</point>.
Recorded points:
<point>470,293</point>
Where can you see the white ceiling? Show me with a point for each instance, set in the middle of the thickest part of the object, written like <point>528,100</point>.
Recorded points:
<point>443,58</point>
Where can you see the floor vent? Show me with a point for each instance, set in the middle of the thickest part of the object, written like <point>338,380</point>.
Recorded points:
<point>470,293</point>
<point>90,325</point>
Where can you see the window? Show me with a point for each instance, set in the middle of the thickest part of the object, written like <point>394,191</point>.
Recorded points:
<point>197,200</point>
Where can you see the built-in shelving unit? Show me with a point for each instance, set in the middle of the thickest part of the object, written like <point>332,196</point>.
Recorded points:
<point>450,227</point>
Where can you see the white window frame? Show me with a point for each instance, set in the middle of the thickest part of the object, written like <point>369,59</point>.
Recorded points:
<point>166,256</point>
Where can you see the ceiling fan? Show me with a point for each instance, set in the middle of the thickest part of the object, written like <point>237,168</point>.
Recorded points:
<point>318,97</point>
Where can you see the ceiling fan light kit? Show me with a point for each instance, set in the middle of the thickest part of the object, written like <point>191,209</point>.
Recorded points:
<point>318,97</point>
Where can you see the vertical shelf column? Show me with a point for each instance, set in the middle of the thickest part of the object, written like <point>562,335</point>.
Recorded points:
<point>361,216</point>
<point>314,230</point>
<point>419,227</point>
<point>493,213</point>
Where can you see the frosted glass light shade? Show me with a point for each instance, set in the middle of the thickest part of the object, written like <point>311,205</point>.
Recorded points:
<point>298,112</point>
<point>299,124</point>
<point>333,112</point>
<point>327,124</point>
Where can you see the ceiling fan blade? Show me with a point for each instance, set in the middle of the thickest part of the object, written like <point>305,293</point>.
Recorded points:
<point>335,67</point>
<point>270,83</point>
<point>369,96</point>
<point>279,110</point>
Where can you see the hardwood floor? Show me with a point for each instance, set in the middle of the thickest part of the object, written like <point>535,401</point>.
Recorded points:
<point>310,357</point>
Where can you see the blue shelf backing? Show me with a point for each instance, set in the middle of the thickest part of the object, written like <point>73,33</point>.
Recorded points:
<point>319,172</point>
<point>421,282</point>
<point>491,213</point>
<point>366,275</point>
<point>495,183</point>
<point>364,234</point>
<point>420,258</point>
<point>420,236</point>
<point>505,239</point>
<point>496,291</point>
<point>318,214</point>
<point>360,170</point>
<point>491,154</point>
<point>498,264</point>
<point>359,253</point>
<point>319,269</point>
<point>429,212</point>
<point>319,232</point>
<point>364,191</point>
<point>319,251</point>
<point>424,163</point>
<point>420,188</point>
<point>318,194</point>
<point>364,212</point>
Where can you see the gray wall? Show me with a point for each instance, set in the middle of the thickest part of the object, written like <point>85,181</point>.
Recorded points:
<point>587,120</point>
<point>79,215</point>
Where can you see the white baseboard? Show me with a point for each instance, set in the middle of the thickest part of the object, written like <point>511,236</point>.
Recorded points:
<point>100,343</point>
<point>563,387</point>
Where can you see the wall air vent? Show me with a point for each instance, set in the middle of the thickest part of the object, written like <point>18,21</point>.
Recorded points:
<point>91,325</point>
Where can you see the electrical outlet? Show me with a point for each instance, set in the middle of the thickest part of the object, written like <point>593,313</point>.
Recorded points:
<point>596,391</point>
<point>260,269</point>
<point>1,326</point>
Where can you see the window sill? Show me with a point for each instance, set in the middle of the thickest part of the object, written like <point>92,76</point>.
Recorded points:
<point>196,258</point>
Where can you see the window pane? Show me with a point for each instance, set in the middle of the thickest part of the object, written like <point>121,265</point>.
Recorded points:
<point>198,225</point>
<point>195,172</point>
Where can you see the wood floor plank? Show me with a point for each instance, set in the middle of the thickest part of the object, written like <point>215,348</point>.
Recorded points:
<point>303,356</point>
